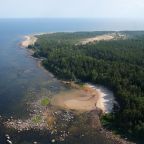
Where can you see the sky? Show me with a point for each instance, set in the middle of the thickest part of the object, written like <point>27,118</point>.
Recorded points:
<point>72,9</point>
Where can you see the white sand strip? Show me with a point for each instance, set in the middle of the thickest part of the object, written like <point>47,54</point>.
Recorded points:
<point>106,98</point>
<point>29,40</point>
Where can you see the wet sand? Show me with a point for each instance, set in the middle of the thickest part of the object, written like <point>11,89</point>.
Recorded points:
<point>85,99</point>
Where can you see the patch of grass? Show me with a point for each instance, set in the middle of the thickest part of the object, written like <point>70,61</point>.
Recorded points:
<point>36,119</point>
<point>81,85</point>
<point>106,120</point>
<point>45,102</point>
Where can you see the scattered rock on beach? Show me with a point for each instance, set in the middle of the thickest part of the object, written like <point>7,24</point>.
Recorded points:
<point>53,141</point>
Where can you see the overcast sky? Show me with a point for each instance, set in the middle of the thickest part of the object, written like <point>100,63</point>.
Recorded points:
<point>72,8</point>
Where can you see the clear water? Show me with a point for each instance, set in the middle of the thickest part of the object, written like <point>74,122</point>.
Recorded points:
<point>20,73</point>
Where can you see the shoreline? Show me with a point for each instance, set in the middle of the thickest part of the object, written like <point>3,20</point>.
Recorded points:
<point>105,98</point>
<point>99,99</point>
<point>31,39</point>
<point>28,40</point>
<point>101,103</point>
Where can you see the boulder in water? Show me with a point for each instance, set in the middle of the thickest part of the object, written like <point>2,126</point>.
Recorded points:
<point>53,140</point>
<point>9,142</point>
<point>7,136</point>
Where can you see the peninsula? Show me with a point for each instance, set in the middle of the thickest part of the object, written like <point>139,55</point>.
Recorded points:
<point>83,60</point>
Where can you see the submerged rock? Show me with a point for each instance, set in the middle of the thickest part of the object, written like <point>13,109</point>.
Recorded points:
<point>53,141</point>
<point>9,142</point>
<point>7,137</point>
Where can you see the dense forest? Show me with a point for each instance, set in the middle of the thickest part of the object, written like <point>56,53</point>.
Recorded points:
<point>117,64</point>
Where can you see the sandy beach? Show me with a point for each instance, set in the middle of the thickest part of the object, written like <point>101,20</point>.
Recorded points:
<point>85,99</point>
<point>29,40</point>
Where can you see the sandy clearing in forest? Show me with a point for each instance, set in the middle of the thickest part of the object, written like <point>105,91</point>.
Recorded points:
<point>105,37</point>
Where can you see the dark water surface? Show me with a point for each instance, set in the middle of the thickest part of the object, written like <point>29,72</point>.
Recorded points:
<point>20,73</point>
